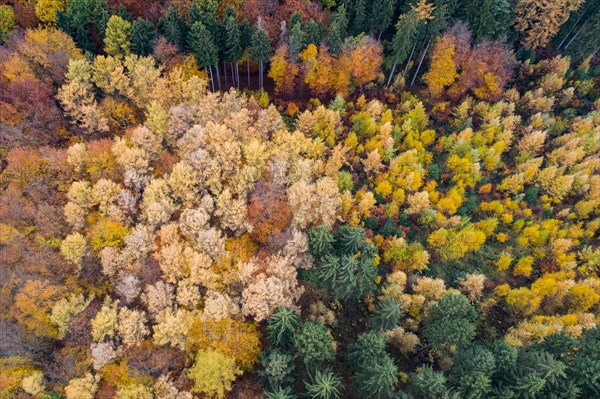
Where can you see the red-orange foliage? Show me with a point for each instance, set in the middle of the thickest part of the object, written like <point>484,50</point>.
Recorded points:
<point>268,212</point>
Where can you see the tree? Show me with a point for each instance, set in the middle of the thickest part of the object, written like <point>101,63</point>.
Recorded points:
<point>213,373</point>
<point>451,321</point>
<point>442,72</point>
<point>382,12</point>
<point>323,384</point>
<point>172,27</point>
<point>260,50</point>
<point>313,343</point>
<point>7,20</point>
<point>233,46</point>
<point>539,21</point>
<point>202,45</point>
<point>387,315</point>
<point>143,37</point>
<point>403,40</point>
<point>338,26</point>
<point>278,369</point>
<point>375,375</point>
<point>284,72</point>
<point>281,326</point>
<point>46,10</point>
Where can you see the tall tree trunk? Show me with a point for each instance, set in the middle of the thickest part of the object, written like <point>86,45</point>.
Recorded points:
<point>248,68</point>
<point>567,35</point>
<point>379,37</point>
<point>576,34</point>
<point>262,67</point>
<point>225,73</point>
<point>391,75</point>
<point>212,81</point>
<point>237,72</point>
<point>409,59</point>
<point>232,75</point>
<point>218,75</point>
<point>420,63</point>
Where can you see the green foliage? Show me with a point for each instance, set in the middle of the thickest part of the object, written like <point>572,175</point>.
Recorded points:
<point>281,326</point>
<point>172,27</point>
<point>143,36</point>
<point>280,393</point>
<point>324,384</point>
<point>376,375</point>
<point>387,315</point>
<point>429,383</point>
<point>313,344</point>
<point>233,40</point>
<point>278,369</point>
<point>201,44</point>
<point>451,321</point>
<point>260,46</point>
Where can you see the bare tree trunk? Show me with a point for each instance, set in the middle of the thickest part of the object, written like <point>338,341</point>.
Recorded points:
<point>409,59</point>
<point>391,75</point>
<point>576,34</point>
<point>567,35</point>
<point>225,73</point>
<point>237,73</point>
<point>248,68</point>
<point>218,75</point>
<point>232,75</point>
<point>212,81</point>
<point>420,63</point>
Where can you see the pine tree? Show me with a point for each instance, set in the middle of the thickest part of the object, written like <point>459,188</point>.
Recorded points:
<point>323,384</point>
<point>172,27</point>
<point>382,12</point>
<point>282,326</point>
<point>117,38</point>
<point>260,50</point>
<point>336,33</point>
<point>387,315</point>
<point>403,40</point>
<point>143,36</point>
<point>233,46</point>
<point>201,44</point>
<point>297,34</point>
<point>359,17</point>
<point>314,33</point>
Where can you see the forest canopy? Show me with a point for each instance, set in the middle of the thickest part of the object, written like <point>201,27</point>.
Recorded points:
<point>299,199</point>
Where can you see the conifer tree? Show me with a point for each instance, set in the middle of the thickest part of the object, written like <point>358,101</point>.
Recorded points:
<point>143,36</point>
<point>201,44</point>
<point>233,46</point>
<point>403,40</point>
<point>336,32</point>
<point>117,38</point>
<point>382,12</point>
<point>260,50</point>
<point>172,27</point>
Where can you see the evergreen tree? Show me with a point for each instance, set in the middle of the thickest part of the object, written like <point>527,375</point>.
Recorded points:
<point>281,326</point>
<point>233,45</point>
<point>201,44</point>
<point>143,37</point>
<point>172,27</point>
<point>280,393</point>
<point>314,33</point>
<point>278,368</point>
<point>260,50</point>
<point>296,33</point>
<point>246,40</point>
<point>313,344</point>
<point>403,41</point>
<point>323,384</point>
<point>336,33</point>
<point>194,15</point>
<point>451,321</point>
<point>359,17</point>
<point>387,315</point>
<point>380,19</point>
<point>123,13</point>
<point>117,38</point>
<point>375,375</point>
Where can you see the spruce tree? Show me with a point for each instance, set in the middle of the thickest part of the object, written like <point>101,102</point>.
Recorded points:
<point>323,384</point>
<point>260,50</point>
<point>359,20</point>
<point>282,325</point>
<point>314,33</point>
<point>381,15</point>
<point>233,45</point>
<point>297,34</point>
<point>201,44</point>
<point>143,36</point>
<point>172,27</point>
<point>403,40</point>
<point>336,33</point>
